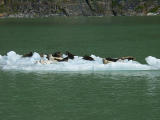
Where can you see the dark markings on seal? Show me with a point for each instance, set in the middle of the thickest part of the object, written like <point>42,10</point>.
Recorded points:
<point>86,57</point>
<point>63,60</point>
<point>70,55</point>
<point>28,54</point>
<point>112,59</point>
<point>41,54</point>
<point>57,54</point>
<point>128,58</point>
<point>47,56</point>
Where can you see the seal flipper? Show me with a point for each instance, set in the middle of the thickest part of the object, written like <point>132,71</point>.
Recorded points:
<point>63,60</point>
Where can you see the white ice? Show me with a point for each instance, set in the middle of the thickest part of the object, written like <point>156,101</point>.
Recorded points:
<point>13,61</point>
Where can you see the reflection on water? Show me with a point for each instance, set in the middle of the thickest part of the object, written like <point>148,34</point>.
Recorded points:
<point>100,74</point>
<point>95,95</point>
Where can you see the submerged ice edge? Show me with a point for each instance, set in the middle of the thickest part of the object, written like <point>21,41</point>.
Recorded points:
<point>13,61</point>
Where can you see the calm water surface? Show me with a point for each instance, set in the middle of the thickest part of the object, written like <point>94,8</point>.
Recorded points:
<point>111,95</point>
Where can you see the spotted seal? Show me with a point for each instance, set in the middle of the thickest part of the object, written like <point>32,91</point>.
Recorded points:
<point>70,55</point>
<point>86,57</point>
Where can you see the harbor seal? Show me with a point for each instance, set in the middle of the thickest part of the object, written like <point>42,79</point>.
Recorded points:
<point>57,54</point>
<point>30,54</point>
<point>109,60</point>
<point>70,55</point>
<point>52,58</point>
<point>86,57</point>
<point>64,60</point>
<point>128,58</point>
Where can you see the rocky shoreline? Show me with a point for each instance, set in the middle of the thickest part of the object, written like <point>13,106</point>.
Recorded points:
<point>79,8</point>
<point>28,15</point>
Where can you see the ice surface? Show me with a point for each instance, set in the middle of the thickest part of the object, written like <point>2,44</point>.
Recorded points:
<point>13,61</point>
<point>152,61</point>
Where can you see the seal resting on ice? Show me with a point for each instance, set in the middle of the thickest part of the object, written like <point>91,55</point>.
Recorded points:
<point>70,55</point>
<point>128,58</point>
<point>51,59</point>
<point>86,57</point>
<point>57,54</point>
<point>30,54</point>
<point>109,60</point>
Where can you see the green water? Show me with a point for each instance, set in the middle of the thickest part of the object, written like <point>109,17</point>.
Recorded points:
<point>111,95</point>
